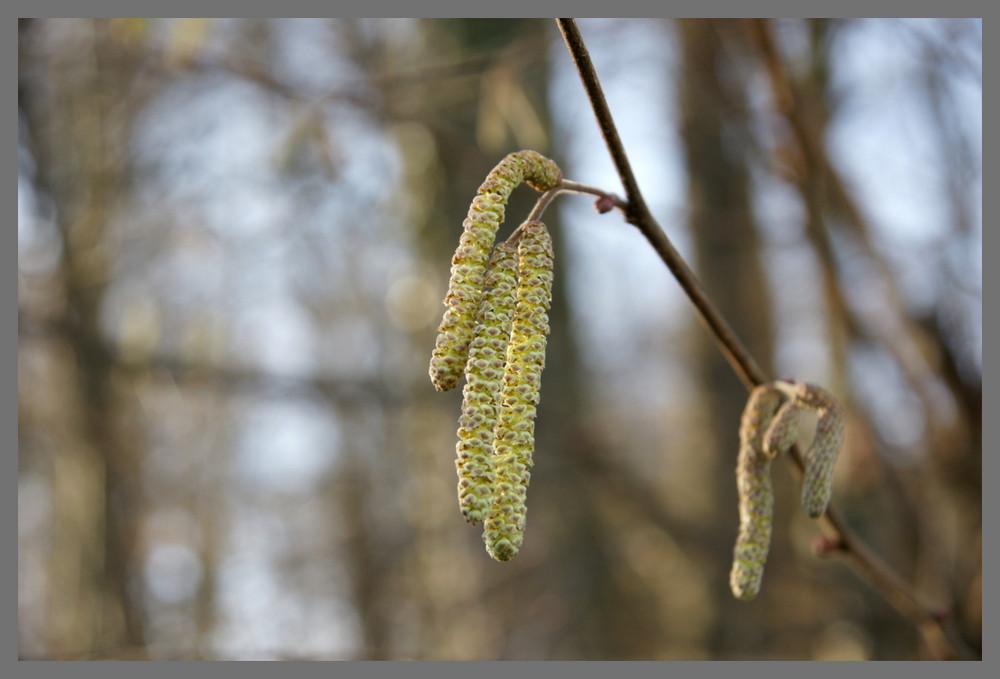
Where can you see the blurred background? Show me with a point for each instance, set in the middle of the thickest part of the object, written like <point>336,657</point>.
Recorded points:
<point>234,237</point>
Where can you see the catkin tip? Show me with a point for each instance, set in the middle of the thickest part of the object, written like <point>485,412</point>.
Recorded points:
<point>745,582</point>
<point>502,550</point>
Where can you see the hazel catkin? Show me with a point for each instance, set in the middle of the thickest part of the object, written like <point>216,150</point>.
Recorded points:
<point>783,430</point>
<point>465,287</point>
<point>756,499</point>
<point>484,379</point>
<point>768,428</point>
<point>817,480</point>
<point>514,445</point>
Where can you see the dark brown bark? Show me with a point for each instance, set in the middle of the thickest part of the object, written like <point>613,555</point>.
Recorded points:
<point>75,126</point>
<point>727,260</point>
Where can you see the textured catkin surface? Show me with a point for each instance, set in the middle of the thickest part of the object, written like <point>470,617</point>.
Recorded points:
<point>484,380</point>
<point>756,499</point>
<point>540,173</point>
<point>514,446</point>
<point>783,430</point>
<point>817,481</point>
<point>768,428</point>
<point>465,287</point>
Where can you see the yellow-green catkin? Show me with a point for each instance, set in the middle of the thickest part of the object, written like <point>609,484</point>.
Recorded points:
<point>817,480</point>
<point>753,481</point>
<point>465,287</point>
<point>512,453</point>
<point>484,379</point>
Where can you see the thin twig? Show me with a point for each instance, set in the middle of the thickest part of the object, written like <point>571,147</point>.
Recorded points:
<point>542,203</point>
<point>841,540</point>
<point>638,214</point>
<point>818,174</point>
<point>604,203</point>
<point>937,630</point>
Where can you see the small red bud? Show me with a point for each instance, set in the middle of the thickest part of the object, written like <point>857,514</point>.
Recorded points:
<point>824,546</point>
<point>604,204</point>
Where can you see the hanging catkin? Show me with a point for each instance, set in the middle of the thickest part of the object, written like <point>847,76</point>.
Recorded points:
<point>515,441</point>
<point>768,428</point>
<point>783,430</point>
<point>465,287</point>
<point>484,380</point>
<point>817,481</point>
<point>753,481</point>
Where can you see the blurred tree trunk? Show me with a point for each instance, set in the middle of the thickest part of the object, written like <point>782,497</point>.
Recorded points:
<point>505,109</point>
<point>76,123</point>
<point>910,530</point>
<point>727,261</point>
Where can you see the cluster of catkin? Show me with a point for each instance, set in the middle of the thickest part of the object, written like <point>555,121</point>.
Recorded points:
<point>493,332</point>
<point>768,428</point>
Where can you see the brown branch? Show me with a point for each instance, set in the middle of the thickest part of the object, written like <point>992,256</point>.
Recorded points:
<point>908,344</point>
<point>840,539</point>
<point>605,203</point>
<point>638,214</point>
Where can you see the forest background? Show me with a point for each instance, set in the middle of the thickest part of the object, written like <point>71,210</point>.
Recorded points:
<point>233,241</point>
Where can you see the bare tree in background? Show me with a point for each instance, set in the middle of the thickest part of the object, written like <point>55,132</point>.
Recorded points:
<point>206,198</point>
<point>76,124</point>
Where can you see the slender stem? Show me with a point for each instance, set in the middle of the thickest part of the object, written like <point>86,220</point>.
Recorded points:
<point>604,198</point>
<point>858,556</point>
<point>542,203</point>
<point>637,214</point>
